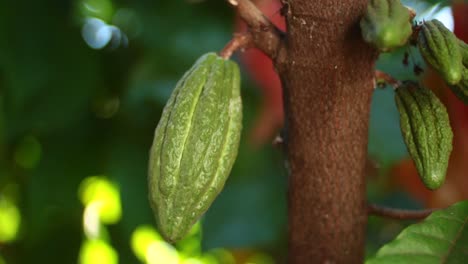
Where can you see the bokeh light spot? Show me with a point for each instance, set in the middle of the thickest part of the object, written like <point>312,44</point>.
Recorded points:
<point>103,195</point>
<point>10,219</point>
<point>91,220</point>
<point>102,9</point>
<point>161,252</point>
<point>97,252</point>
<point>96,33</point>
<point>142,238</point>
<point>28,152</point>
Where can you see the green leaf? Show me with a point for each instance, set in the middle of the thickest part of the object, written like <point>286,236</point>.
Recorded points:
<point>441,238</point>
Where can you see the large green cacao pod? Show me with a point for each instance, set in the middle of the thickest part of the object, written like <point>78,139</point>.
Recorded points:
<point>426,131</point>
<point>195,144</point>
<point>386,24</point>
<point>441,50</point>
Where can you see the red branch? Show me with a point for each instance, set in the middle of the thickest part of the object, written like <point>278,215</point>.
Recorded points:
<point>265,35</point>
<point>400,214</point>
<point>238,41</point>
<point>382,78</point>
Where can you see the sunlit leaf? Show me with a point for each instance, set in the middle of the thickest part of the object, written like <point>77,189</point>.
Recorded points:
<point>441,238</point>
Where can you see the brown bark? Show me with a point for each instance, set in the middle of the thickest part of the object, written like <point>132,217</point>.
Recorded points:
<point>327,73</point>
<point>328,77</point>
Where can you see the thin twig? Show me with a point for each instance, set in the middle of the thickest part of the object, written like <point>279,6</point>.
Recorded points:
<point>238,41</point>
<point>382,78</point>
<point>265,35</point>
<point>401,214</point>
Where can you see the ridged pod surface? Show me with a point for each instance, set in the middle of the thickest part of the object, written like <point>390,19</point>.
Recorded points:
<point>426,131</point>
<point>441,50</point>
<point>461,88</point>
<point>386,24</point>
<point>195,144</point>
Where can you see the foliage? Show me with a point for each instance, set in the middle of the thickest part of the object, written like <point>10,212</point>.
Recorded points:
<point>441,238</point>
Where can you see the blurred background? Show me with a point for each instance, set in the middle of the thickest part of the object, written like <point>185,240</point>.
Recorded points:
<point>82,87</point>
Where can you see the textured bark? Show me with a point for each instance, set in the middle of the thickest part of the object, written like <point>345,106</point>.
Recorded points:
<point>327,74</point>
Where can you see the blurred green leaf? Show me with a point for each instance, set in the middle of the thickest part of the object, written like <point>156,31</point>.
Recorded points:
<point>28,152</point>
<point>102,9</point>
<point>190,245</point>
<point>441,238</point>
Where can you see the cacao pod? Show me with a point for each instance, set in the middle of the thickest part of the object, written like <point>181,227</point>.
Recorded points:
<point>386,24</point>
<point>426,131</point>
<point>464,51</point>
<point>461,88</point>
<point>441,50</point>
<point>195,144</point>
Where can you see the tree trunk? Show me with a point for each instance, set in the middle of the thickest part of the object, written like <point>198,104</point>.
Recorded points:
<point>327,73</point>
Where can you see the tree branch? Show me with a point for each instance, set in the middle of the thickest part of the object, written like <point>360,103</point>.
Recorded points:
<point>401,214</point>
<point>238,41</point>
<point>382,78</point>
<point>265,35</point>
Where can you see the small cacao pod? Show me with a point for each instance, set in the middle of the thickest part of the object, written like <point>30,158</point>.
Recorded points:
<point>386,24</point>
<point>426,131</point>
<point>461,88</point>
<point>195,144</point>
<point>441,50</point>
<point>464,51</point>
